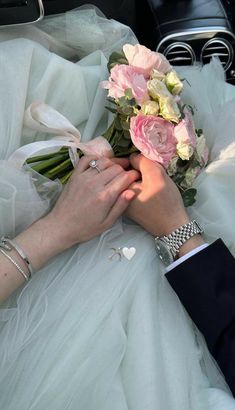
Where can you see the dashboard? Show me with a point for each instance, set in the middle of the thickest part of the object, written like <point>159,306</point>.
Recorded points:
<point>184,30</point>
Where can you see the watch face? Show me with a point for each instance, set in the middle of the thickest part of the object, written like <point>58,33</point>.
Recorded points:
<point>164,252</point>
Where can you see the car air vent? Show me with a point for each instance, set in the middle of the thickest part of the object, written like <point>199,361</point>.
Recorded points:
<point>179,53</point>
<point>220,48</point>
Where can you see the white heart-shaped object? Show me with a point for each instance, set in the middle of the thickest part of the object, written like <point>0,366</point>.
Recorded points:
<point>128,252</point>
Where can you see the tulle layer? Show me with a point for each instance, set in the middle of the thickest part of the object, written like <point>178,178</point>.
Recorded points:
<point>114,329</point>
<point>88,332</point>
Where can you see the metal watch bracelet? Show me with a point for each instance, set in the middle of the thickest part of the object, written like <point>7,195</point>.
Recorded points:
<point>178,237</point>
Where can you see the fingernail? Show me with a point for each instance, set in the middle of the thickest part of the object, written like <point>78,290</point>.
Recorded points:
<point>129,195</point>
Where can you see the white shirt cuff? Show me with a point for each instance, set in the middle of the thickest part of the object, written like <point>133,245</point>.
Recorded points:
<point>186,256</point>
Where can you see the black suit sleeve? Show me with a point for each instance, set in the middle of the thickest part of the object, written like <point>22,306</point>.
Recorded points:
<point>205,284</point>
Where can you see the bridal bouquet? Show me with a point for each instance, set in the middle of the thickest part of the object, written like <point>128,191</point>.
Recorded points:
<point>149,117</point>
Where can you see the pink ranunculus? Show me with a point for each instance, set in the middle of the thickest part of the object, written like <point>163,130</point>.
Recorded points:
<point>145,60</point>
<point>123,77</point>
<point>154,137</point>
<point>185,130</point>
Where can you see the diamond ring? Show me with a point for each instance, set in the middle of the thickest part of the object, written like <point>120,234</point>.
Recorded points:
<point>93,164</point>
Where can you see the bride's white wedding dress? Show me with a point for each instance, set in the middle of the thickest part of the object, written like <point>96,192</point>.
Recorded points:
<point>87,332</point>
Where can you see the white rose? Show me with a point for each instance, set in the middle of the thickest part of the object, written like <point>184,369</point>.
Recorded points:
<point>157,89</point>
<point>173,82</point>
<point>169,109</point>
<point>156,74</point>
<point>150,108</point>
<point>184,150</point>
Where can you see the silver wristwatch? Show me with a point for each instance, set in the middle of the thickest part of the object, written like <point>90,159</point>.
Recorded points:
<point>168,246</point>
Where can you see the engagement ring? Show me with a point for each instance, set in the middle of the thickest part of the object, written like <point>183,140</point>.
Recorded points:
<point>93,164</point>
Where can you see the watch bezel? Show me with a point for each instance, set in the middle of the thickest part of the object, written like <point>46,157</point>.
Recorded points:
<point>160,246</point>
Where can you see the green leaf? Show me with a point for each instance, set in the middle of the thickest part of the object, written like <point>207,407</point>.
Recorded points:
<point>112,110</point>
<point>117,123</point>
<point>199,132</point>
<point>109,132</point>
<point>127,110</point>
<point>188,197</point>
<point>132,102</point>
<point>128,93</point>
<point>126,135</point>
<point>116,58</point>
<point>122,143</point>
<point>111,100</point>
<point>126,152</point>
<point>125,124</point>
<point>122,101</point>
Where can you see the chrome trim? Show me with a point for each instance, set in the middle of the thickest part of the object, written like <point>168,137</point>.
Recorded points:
<point>41,15</point>
<point>195,33</point>
<point>41,8</point>
<point>225,45</point>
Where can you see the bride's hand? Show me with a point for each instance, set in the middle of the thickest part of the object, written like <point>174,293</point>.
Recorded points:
<point>91,201</point>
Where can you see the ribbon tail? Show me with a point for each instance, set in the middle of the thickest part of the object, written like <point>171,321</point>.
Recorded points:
<point>43,118</point>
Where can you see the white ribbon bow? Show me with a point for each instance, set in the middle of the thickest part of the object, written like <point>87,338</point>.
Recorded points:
<point>43,118</point>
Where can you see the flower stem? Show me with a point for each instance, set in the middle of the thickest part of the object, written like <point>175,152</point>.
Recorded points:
<point>66,177</point>
<point>43,165</point>
<point>42,157</point>
<point>62,166</point>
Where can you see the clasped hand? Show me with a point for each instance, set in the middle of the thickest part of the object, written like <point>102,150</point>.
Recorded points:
<point>91,201</point>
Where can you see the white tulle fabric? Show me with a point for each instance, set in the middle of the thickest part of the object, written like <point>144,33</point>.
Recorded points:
<point>87,332</point>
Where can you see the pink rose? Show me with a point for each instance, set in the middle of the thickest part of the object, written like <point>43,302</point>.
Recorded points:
<point>121,78</point>
<point>154,137</point>
<point>145,60</point>
<point>185,130</point>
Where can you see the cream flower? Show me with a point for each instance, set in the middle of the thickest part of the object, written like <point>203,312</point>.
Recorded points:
<point>173,82</point>
<point>169,109</point>
<point>157,89</point>
<point>184,150</point>
<point>150,108</point>
<point>158,75</point>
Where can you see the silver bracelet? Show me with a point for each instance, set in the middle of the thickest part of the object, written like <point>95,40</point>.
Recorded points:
<point>15,264</point>
<point>8,244</point>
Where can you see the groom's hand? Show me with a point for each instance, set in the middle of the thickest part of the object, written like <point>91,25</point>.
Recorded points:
<point>158,206</point>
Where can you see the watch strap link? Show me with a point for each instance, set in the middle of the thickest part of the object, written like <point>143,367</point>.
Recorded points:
<point>178,237</point>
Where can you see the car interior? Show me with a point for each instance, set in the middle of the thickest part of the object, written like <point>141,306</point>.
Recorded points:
<point>185,31</point>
